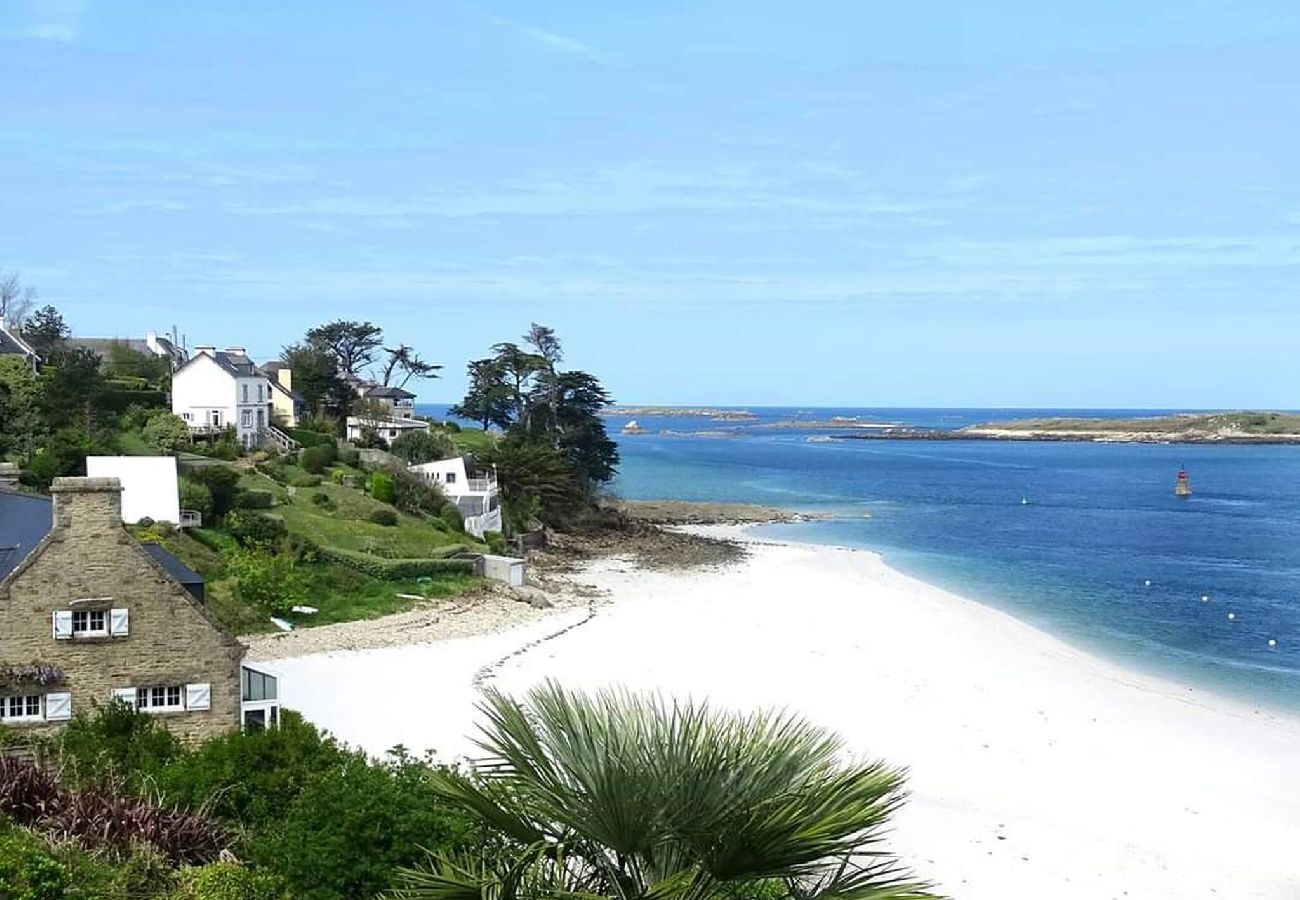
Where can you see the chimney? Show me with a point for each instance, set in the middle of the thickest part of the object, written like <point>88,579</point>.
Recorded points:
<point>87,504</point>
<point>236,351</point>
<point>285,377</point>
<point>205,349</point>
<point>8,476</point>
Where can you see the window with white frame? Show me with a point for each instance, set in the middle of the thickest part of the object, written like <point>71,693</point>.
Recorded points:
<point>259,393</point>
<point>27,706</point>
<point>451,477</point>
<point>89,622</point>
<point>245,393</point>
<point>246,418</point>
<point>160,698</point>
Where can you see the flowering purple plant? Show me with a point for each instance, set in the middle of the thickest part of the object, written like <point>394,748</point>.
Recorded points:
<point>34,673</point>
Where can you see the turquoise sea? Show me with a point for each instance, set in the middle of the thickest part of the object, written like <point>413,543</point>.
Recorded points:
<point>1101,522</point>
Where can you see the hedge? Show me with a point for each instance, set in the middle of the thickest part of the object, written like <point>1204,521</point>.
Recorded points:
<point>395,569</point>
<point>250,499</point>
<point>311,438</point>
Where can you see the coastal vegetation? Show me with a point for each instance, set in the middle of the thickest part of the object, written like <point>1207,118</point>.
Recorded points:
<point>621,795</point>
<point>553,452</point>
<point>597,796</point>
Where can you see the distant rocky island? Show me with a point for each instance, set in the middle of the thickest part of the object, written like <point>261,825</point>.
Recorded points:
<point>699,412</point>
<point>1183,428</point>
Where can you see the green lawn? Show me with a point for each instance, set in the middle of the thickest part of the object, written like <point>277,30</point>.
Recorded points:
<point>347,525</point>
<point>339,593</point>
<point>471,440</point>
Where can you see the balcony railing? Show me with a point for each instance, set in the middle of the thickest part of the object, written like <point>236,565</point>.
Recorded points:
<point>480,485</point>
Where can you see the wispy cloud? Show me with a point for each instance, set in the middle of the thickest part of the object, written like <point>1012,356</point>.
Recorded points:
<point>126,207</point>
<point>547,38</point>
<point>54,20</point>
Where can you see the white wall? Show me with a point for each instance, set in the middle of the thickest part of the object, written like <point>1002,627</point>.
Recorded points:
<point>438,471</point>
<point>149,487</point>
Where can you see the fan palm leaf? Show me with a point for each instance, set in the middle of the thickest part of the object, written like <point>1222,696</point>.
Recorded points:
<point>628,796</point>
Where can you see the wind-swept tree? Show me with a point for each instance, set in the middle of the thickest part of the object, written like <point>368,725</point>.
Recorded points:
<point>405,363</point>
<point>489,399</point>
<point>316,377</point>
<point>621,796</point>
<point>352,344</point>
<point>579,427</point>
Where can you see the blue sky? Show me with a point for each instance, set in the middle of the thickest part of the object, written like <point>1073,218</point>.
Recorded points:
<point>859,203</point>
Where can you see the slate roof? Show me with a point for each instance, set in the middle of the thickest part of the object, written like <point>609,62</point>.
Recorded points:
<point>191,580</point>
<point>389,393</point>
<point>12,343</point>
<point>25,520</point>
<point>233,363</point>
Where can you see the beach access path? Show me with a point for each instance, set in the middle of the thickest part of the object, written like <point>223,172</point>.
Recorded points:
<point>1036,770</point>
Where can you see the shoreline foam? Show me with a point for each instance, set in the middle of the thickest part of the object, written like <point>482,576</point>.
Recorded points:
<point>1036,769</point>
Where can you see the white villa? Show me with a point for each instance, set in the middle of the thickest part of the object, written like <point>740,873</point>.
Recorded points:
<point>216,390</point>
<point>474,493</point>
<point>393,415</point>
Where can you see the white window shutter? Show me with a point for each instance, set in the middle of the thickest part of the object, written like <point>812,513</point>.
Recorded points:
<point>62,624</point>
<point>58,707</point>
<point>126,695</point>
<point>198,696</point>
<point>119,622</point>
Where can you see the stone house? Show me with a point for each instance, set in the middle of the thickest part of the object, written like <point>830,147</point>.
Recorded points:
<point>89,615</point>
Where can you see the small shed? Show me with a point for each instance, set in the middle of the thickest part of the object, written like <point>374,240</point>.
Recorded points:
<point>509,569</point>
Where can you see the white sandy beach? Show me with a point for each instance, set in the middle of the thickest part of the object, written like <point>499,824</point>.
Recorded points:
<point>1037,771</point>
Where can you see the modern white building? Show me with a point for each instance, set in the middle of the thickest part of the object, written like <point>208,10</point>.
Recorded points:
<point>474,493</point>
<point>149,486</point>
<point>223,389</point>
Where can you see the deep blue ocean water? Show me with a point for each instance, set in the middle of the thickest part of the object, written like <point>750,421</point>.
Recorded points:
<point>1101,520</point>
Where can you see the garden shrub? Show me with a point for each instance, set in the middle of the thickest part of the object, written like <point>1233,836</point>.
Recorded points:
<point>222,483</point>
<point>383,487</point>
<point>226,881</point>
<point>116,742</point>
<point>309,438</point>
<point>337,475</point>
<point>305,481</point>
<point>252,529</point>
<point>415,447</point>
<point>252,499</point>
<point>354,824</point>
<point>452,518</point>
<point>415,495</point>
<point>269,582</point>
<point>324,501</point>
<point>318,458</point>
<point>251,778</point>
<point>386,517</point>
<point>350,458</point>
<point>28,871</point>
<point>450,426</point>
<point>196,496</point>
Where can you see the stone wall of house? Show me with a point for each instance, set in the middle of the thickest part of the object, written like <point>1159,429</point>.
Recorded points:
<point>90,562</point>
